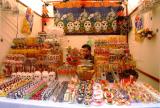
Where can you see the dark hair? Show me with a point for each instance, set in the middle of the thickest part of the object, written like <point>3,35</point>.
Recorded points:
<point>87,46</point>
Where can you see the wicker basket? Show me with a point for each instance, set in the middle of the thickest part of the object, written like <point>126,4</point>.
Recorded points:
<point>85,73</point>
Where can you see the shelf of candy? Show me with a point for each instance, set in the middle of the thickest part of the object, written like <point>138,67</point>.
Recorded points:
<point>88,92</point>
<point>151,89</point>
<point>20,92</point>
<point>141,95</point>
<point>70,94</point>
<point>46,95</point>
<point>32,91</point>
<point>73,56</point>
<point>12,85</point>
<point>122,94</point>
<point>97,94</point>
<point>58,94</point>
<point>66,71</point>
<point>112,55</point>
<point>84,92</point>
<point>32,53</point>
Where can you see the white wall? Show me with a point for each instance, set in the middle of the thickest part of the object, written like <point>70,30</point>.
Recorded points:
<point>147,53</point>
<point>132,4</point>
<point>8,28</point>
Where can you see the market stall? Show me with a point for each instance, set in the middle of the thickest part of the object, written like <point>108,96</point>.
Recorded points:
<point>36,74</point>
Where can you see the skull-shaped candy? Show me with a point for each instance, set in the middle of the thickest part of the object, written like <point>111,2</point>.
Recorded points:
<point>19,74</point>
<point>29,75</point>
<point>60,25</point>
<point>76,25</point>
<point>98,26</point>
<point>87,26</point>
<point>104,25</point>
<point>13,75</point>
<point>45,76</point>
<point>52,76</point>
<point>70,27</point>
<point>24,75</point>
<point>37,75</point>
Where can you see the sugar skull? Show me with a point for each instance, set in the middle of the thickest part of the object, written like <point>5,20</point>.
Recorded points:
<point>76,25</point>
<point>19,74</point>
<point>37,75</point>
<point>13,75</point>
<point>60,25</point>
<point>87,26</point>
<point>29,75</point>
<point>104,25</point>
<point>70,27</point>
<point>52,76</point>
<point>98,26</point>
<point>24,75</point>
<point>45,76</point>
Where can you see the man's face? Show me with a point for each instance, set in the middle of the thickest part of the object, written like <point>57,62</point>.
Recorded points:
<point>85,52</point>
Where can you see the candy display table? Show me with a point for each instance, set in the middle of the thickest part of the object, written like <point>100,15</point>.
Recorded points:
<point>21,103</point>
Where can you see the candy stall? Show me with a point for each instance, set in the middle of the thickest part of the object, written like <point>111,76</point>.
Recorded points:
<point>49,69</point>
<point>35,76</point>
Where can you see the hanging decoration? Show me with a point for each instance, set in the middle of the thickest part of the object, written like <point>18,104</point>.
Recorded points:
<point>84,17</point>
<point>146,33</point>
<point>45,15</point>
<point>27,22</point>
<point>139,25</point>
<point>139,22</point>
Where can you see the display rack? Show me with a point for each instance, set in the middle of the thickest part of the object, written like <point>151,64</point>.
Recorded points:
<point>31,54</point>
<point>112,55</point>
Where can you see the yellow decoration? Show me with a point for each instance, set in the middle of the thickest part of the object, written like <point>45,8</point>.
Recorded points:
<point>25,27</point>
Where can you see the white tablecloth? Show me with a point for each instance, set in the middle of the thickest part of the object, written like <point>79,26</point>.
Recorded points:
<point>21,103</point>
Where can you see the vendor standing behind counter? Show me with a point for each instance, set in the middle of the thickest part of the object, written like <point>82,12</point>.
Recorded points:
<point>86,53</point>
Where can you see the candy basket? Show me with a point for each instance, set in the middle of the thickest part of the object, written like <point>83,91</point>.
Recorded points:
<point>85,71</point>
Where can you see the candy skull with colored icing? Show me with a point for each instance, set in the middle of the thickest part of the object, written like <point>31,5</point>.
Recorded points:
<point>87,26</point>
<point>98,26</point>
<point>70,27</point>
<point>37,75</point>
<point>45,76</point>
<point>52,76</point>
<point>77,25</point>
<point>104,25</point>
<point>60,24</point>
